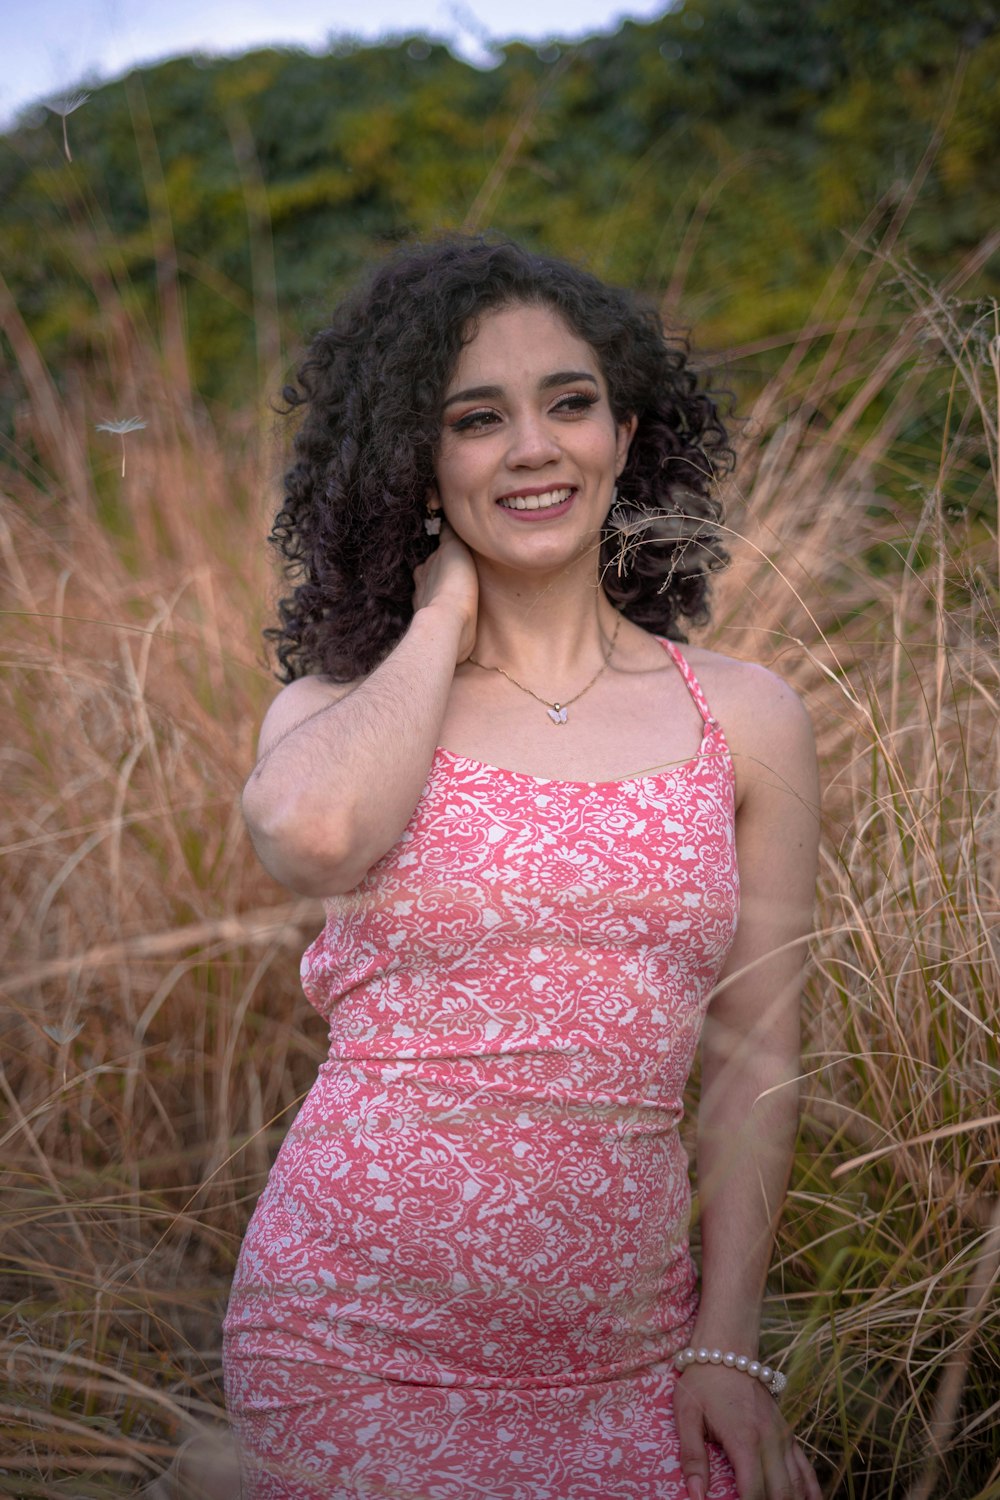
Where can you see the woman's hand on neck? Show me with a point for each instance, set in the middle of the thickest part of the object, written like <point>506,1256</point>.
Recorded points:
<point>448,580</point>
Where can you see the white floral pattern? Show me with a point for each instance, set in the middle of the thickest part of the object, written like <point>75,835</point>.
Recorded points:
<point>469,1270</point>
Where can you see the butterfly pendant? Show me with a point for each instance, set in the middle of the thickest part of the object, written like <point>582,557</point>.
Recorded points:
<point>557,714</point>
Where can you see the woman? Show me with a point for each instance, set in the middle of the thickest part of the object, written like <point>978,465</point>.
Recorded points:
<point>529,812</point>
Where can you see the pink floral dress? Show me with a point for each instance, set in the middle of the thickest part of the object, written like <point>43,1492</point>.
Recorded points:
<point>469,1269</point>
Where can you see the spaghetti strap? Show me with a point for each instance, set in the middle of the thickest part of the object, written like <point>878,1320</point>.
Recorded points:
<point>693,685</point>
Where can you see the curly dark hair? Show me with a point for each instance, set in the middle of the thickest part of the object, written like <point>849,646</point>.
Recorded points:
<point>351,530</point>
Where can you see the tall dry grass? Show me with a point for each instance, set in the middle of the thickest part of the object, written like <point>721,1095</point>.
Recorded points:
<point>885,616</point>
<point>154,1036</point>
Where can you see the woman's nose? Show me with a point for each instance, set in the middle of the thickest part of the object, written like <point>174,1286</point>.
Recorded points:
<point>532,442</point>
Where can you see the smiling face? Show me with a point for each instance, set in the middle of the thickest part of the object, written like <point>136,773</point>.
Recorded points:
<point>529,448</point>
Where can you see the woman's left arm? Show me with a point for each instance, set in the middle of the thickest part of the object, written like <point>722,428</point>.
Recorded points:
<point>749,1099</point>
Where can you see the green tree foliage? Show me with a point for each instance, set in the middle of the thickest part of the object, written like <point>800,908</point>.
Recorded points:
<point>716,158</point>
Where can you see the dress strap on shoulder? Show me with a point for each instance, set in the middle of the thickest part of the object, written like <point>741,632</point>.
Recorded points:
<point>693,685</point>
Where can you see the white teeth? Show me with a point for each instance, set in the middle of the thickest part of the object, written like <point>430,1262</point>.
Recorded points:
<point>536,502</point>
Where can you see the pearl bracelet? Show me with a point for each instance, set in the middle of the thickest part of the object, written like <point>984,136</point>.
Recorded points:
<point>772,1379</point>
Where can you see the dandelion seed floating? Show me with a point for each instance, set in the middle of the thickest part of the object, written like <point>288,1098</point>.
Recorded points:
<point>63,1035</point>
<point>120,428</point>
<point>63,105</point>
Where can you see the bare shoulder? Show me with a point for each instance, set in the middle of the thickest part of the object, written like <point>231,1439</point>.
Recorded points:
<point>296,702</point>
<point>763,718</point>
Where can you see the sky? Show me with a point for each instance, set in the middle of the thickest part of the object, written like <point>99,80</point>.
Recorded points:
<point>51,47</point>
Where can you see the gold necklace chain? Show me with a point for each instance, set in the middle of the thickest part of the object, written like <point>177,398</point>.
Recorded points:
<point>556,711</point>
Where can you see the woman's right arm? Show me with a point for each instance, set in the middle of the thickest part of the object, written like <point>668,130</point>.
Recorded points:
<point>341,767</point>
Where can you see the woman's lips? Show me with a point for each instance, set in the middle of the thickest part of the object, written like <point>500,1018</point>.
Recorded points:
<point>554,502</point>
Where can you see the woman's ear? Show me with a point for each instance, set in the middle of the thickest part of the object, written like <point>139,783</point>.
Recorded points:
<point>626,432</point>
<point>432,517</point>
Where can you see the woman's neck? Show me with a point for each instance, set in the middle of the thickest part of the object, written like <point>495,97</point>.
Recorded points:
<point>549,630</point>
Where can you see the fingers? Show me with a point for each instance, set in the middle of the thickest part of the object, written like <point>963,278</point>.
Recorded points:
<point>749,1473</point>
<point>807,1475</point>
<point>781,1479</point>
<point>787,1473</point>
<point>696,1484</point>
<point>693,1453</point>
<point>794,1478</point>
<point>776,1469</point>
<point>767,1462</point>
<point>448,577</point>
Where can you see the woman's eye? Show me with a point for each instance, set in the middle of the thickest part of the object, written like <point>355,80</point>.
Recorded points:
<point>575,401</point>
<point>475,419</point>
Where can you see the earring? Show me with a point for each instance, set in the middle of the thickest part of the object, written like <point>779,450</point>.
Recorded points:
<point>432,520</point>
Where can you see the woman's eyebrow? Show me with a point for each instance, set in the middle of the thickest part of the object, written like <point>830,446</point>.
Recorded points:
<point>494,392</point>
